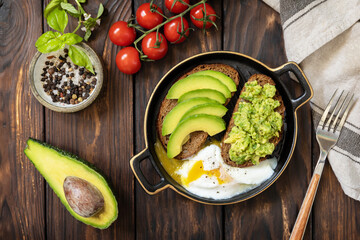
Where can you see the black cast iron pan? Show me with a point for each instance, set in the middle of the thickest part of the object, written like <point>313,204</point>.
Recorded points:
<point>246,67</point>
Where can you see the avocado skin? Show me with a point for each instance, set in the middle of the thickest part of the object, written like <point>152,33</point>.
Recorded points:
<point>82,161</point>
<point>67,154</point>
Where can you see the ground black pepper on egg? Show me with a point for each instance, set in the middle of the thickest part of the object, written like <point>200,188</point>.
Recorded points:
<point>67,92</point>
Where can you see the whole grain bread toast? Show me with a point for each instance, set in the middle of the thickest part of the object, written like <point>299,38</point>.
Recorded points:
<point>197,139</point>
<point>225,147</point>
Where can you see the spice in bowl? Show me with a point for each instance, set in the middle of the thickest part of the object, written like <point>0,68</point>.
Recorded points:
<point>55,80</point>
<point>62,86</point>
<point>65,82</point>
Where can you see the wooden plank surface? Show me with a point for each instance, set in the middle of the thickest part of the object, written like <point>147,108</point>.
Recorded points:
<point>22,201</point>
<point>102,134</point>
<point>110,131</point>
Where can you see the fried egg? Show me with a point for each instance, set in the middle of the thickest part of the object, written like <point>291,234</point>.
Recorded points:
<point>205,174</point>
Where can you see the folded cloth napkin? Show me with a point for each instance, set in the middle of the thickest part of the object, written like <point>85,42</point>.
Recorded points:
<point>323,36</point>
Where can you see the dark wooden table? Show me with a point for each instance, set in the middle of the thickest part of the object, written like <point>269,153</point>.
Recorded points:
<point>110,131</point>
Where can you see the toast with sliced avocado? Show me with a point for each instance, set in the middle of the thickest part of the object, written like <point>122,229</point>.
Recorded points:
<point>256,126</point>
<point>183,92</point>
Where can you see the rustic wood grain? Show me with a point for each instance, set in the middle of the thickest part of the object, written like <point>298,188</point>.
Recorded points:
<point>110,131</point>
<point>102,134</point>
<point>253,28</point>
<point>335,215</point>
<point>22,202</point>
<point>168,215</point>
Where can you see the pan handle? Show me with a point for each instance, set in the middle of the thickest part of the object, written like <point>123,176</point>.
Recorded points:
<point>135,166</point>
<point>295,69</point>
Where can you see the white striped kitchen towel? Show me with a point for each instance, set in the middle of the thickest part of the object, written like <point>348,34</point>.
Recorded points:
<point>323,36</point>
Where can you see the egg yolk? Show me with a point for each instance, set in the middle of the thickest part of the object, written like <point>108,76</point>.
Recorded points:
<point>197,171</point>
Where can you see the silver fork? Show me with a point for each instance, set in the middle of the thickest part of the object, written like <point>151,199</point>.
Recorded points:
<point>327,134</point>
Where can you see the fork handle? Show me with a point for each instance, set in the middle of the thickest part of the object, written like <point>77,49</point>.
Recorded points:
<point>303,216</point>
<point>304,213</point>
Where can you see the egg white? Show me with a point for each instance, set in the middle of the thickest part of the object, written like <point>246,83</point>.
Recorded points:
<point>256,174</point>
<point>241,179</point>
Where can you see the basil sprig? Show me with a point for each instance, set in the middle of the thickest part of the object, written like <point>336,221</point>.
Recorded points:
<point>56,14</point>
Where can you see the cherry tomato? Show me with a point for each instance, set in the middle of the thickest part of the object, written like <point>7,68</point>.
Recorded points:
<point>198,13</point>
<point>146,18</point>
<point>174,27</point>
<point>122,35</point>
<point>152,49</point>
<point>178,7</point>
<point>128,60</point>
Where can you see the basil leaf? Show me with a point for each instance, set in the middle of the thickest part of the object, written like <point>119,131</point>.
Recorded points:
<point>44,38</point>
<point>100,11</point>
<point>58,19</point>
<point>87,35</point>
<point>49,42</point>
<point>51,6</point>
<point>80,58</point>
<point>71,38</point>
<point>70,9</point>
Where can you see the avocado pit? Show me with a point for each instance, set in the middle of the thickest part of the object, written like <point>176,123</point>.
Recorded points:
<point>83,197</point>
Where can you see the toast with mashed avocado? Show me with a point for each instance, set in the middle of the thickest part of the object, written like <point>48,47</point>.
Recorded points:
<point>256,126</point>
<point>196,139</point>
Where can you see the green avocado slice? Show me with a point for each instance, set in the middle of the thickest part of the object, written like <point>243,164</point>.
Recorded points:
<point>200,122</point>
<point>55,165</point>
<point>214,109</point>
<point>191,83</point>
<point>219,75</point>
<point>209,93</point>
<point>173,117</point>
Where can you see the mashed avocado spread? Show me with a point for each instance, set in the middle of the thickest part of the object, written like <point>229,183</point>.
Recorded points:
<point>256,123</point>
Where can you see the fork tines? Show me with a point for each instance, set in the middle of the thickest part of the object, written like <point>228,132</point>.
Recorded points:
<point>340,112</point>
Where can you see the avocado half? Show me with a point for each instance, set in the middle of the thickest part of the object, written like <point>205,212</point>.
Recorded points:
<point>55,165</point>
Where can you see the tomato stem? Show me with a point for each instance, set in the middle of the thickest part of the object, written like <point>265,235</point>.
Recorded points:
<point>145,33</point>
<point>158,12</point>
<point>183,32</point>
<point>136,27</point>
